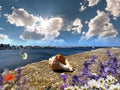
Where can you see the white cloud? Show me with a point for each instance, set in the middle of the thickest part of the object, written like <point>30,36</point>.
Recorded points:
<point>113,6</point>
<point>44,28</point>
<point>77,25</point>
<point>82,8</point>
<point>108,31</point>
<point>20,17</point>
<point>93,2</point>
<point>40,28</point>
<point>101,27</point>
<point>74,26</point>
<point>31,35</point>
<point>5,39</point>
<point>58,42</point>
<point>35,27</point>
<point>67,26</point>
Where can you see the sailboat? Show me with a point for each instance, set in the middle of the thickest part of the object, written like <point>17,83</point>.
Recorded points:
<point>93,47</point>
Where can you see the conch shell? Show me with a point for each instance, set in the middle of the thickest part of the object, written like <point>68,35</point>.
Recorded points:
<point>59,62</point>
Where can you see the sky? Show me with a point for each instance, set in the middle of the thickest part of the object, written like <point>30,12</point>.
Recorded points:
<point>60,22</point>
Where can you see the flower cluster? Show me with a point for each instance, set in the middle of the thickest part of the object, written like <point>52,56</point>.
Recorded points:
<point>106,78</point>
<point>8,81</point>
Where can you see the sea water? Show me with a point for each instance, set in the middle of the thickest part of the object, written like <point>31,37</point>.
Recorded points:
<point>12,59</point>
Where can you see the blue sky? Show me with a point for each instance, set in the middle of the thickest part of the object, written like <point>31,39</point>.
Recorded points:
<point>60,22</point>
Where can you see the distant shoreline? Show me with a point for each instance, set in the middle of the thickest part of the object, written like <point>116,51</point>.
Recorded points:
<point>9,47</point>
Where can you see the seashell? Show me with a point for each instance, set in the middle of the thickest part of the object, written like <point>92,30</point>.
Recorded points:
<point>60,58</point>
<point>59,62</point>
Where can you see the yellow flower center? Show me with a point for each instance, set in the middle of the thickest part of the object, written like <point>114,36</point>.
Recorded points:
<point>115,89</point>
<point>94,87</point>
<point>109,81</point>
<point>75,88</point>
<point>101,81</point>
<point>84,89</point>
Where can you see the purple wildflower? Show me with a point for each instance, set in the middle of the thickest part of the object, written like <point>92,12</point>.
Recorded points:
<point>87,64</point>
<point>113,72</point>
<point>114,66</point>
<point>118,71</point>
<point>83,78</point>
<point>19,70</point>
<point>96,77</point>
<point>1,87</point>
<point>110,67</point>
<point>64,77</point>
<point>104,75</point>
<point>18,76</point>
<point>101,67</point>
<point>112,57</point>
<point>118,64</point>
<point>23,84</point>
<point>24,81</point>
<point>108,53</point>
<point>106,86</point>
<point>93,59</point>
<point>63,86</point>
<point>82,82</point>
<point>102,72</point>
<point>85,71</point>
<point>107,69</point>
<point>75,80</point>
<point>106,63</point>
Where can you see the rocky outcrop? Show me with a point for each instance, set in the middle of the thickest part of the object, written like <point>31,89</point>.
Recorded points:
<point>41,77</point>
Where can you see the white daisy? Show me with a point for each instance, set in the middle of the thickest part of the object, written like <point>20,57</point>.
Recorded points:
<point>101,81</point>
<point>93,84</point>
<point>84,87</point>
<point>15,87</point>
<point>69,88</point>
<point>110,79</point>
<point>103,88</point>
<point>76,88</point>
<point>115,87</point>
